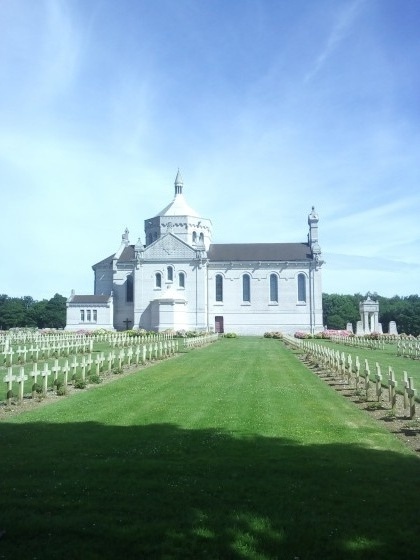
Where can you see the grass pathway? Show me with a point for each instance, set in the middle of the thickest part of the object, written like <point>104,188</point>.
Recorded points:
<point>231,451</point>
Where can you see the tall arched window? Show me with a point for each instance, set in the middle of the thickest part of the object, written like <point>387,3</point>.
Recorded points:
<point>202,238</point>
<point>302,288</point>
<point>219,287</point>
<point>274,288</point>
<point>246,287</point>
<point>129,292</point>
<point>194,238</point>
<point>158,280</point>
<point>181,280</point>
<point>170,274</point>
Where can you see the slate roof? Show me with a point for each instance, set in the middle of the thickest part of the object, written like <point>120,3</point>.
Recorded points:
<point>89,299</point>
<point>242,252</point>
<point>126,255</point>
<point>277,252</point>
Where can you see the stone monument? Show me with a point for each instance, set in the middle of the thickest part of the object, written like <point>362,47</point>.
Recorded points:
<point>369,315</point>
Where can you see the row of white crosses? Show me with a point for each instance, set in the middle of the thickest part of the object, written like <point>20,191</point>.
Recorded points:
<point>200,340</point>
<point>361,341</point>
<point>119,340</point>
<point>83,364</point>
<point>9,338</point>
<point>408,349</point>
<point>62,346</point>
<point>24,354</point>
<point>339,363</point>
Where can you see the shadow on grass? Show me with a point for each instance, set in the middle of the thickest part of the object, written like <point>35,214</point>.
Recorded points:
<point>86,490</point>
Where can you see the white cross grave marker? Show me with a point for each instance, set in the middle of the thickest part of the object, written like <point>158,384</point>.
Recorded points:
<point>44,374</point>
<point>411,393</point>
<point>378,381</point>
<point>392,386</point>
<point>9,378</point>
<point>21,378</point>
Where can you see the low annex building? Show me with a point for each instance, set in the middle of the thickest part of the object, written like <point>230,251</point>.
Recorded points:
<point>180,280</point>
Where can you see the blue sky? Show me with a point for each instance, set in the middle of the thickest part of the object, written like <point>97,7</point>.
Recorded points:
<point>267,106</point>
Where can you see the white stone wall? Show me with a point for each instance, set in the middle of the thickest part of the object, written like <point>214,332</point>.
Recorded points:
<point>104,317</point>
<point>194,311</point>
<point>123,309</point>
<point>261,315</point>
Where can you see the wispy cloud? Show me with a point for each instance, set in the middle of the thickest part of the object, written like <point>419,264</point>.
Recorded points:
<point>344,21</point>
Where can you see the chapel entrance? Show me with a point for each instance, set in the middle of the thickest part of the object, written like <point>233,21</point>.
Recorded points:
<point>218,324</point>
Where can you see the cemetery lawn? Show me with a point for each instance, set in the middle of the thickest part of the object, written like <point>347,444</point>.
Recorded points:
<point>233,451</point>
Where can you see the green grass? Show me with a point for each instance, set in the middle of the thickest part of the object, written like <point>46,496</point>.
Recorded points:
<point>233,451</point>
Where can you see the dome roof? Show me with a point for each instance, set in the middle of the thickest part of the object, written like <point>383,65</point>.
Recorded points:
<point>178,207</point>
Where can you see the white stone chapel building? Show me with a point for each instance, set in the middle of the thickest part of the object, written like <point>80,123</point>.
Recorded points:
<point>180,280</point>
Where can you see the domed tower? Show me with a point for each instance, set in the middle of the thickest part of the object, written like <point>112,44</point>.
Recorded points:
<point>181,220</point>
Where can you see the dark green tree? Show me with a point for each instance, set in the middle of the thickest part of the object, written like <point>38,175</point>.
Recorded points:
<point>26,312</point>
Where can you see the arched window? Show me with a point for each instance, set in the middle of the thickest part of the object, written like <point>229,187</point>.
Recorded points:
<point>129,292</point>
<point>202,238</point>
<point>158,280</point>
<point>170,274</point>
<point>302,288</point>
<point>246,287</point>
<point>219,287</point>
<point>194,237</point>
<point>274,288</point>
<point>181,280</point>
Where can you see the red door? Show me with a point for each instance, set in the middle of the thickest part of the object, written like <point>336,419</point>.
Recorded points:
<point>218,324</point>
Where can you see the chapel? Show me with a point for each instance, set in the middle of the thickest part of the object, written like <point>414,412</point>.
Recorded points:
<point>178,279</point>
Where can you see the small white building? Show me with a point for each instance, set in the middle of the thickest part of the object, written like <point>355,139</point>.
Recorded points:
<point>180,280</point>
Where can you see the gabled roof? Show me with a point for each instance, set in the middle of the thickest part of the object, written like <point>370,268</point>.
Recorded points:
<point>169,246</point>
<point>276,252</point>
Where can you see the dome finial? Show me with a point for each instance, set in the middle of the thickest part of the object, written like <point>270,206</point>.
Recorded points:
<point>178,183</point>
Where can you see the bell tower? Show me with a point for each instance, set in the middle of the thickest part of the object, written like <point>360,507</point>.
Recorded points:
<point>178,218</point>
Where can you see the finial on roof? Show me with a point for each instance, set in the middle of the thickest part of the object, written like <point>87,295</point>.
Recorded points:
<point>179,183</point>
<point>124,237</point>
<point>313,216</point>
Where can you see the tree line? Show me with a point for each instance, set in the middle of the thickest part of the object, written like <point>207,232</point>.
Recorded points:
<point>26,312</point>
<point>338,311</point>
